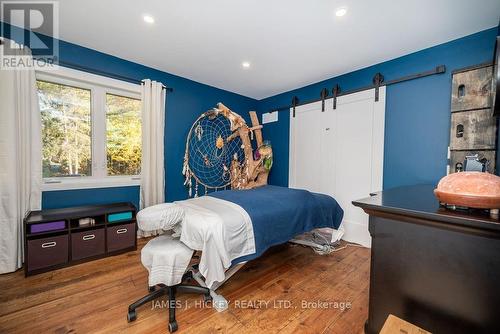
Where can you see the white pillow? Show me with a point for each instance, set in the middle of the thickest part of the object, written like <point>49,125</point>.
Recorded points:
<point>160,217</point>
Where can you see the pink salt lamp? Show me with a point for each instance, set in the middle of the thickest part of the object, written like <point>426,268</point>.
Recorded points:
<point>470,189</point>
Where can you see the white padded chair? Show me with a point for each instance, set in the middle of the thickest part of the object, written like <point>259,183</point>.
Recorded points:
<point>167,260</point>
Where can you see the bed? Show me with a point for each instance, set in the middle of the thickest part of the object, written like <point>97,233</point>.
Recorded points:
<point>235,226</point>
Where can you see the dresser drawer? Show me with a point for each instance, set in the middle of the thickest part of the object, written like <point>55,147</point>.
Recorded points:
<point>47,252</point>
<point>87,244</point>
<point>121,236</point>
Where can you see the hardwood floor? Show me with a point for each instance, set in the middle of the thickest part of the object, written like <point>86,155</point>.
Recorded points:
<point>93,297</point>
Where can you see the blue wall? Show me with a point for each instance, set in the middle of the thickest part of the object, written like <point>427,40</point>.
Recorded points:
<point>417,112</point>
<point>188,100</point>
<point>68,198</point>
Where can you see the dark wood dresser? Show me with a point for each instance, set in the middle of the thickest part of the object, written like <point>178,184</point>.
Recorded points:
<point>436,268</point>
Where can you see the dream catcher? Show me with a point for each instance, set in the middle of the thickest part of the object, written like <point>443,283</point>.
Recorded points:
<point>219,152</point>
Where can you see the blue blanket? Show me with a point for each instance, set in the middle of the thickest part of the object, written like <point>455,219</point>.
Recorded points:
<point>279,214</point>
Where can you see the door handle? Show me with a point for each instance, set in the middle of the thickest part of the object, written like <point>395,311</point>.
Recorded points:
<point>89,237</point>
<point>49,244</point>
<point>121,231</point>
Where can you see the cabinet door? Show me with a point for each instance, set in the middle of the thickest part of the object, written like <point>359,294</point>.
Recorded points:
<point>328,150</point>
<point>353,157</point>
<point>305,155</point>
<point>312,149</point>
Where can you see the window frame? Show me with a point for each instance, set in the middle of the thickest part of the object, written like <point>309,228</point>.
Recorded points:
<point>99,86</point>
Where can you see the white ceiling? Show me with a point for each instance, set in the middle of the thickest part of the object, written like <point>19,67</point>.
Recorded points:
<point>289,43</point>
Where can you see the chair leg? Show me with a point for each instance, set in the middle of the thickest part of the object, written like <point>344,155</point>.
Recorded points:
<point>171,291</point>
<point>172,324</point>
<point>132,314</point>
<point>195,289</point>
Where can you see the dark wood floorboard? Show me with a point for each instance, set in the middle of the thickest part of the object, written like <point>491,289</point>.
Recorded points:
<point>290,289</point>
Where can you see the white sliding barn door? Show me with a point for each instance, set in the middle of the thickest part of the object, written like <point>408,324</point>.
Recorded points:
<point>305,152</point>
<point>340,153</point>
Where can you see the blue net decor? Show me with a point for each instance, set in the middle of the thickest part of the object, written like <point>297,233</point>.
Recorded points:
<point>209,153</point>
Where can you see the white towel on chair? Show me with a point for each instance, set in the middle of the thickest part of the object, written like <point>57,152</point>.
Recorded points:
<point>166,260</point>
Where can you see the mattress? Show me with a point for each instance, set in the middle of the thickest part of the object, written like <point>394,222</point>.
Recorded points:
<point>278,214</point>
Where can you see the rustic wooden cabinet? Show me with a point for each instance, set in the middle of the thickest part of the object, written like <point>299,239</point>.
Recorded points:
<point>473,126</point>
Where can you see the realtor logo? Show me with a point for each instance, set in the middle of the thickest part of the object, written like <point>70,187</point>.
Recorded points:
<point>32,24</point>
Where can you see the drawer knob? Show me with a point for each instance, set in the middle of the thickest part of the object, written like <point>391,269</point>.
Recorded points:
<point>49,244</point>
<point>121,231</point>
<point>89,237</point>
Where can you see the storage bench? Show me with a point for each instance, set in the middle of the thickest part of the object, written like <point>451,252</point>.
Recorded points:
<point>57,238</point>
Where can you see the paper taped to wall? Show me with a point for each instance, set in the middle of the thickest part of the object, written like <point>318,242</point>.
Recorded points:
<point>269,117</point>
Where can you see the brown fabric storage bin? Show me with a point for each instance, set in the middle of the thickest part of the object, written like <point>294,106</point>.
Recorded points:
<point>47,252</point>
<point>121,236</point>
<point>87,244</point>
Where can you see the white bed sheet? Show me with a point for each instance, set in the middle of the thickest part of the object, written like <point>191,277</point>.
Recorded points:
<point>222,230</point>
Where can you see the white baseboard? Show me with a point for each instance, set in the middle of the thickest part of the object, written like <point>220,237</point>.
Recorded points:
<point>357,233</point>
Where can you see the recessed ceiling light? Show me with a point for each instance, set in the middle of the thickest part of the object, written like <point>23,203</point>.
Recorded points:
<point>341,11</point>
<point>245,64</point>
<point>149,19</point>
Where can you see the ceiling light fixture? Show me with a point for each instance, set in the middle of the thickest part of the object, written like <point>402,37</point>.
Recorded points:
<point>341,11</point>
<point>245,64</point>
<point>149,19</point>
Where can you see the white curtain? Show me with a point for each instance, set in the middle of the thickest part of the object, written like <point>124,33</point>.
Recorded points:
<point>152,167</point>
<point>153,124</point>
<point>20,160</point>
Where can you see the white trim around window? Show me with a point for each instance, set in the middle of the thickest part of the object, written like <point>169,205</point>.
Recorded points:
<point>89,182</point>
<point>99,87</point>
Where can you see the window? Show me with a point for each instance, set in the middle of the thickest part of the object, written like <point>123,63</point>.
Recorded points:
<point>66,130</point>
<point>123,135</point>
<point>91,130</point>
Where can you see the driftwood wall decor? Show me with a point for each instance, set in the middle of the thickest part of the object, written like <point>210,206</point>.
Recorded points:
<point>254,171</point>
<point>219,152</point>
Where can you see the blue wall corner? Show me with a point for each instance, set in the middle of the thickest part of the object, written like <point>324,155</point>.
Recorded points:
<point>417,116</point>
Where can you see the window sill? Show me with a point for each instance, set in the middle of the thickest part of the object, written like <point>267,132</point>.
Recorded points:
<point>55,184</point>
